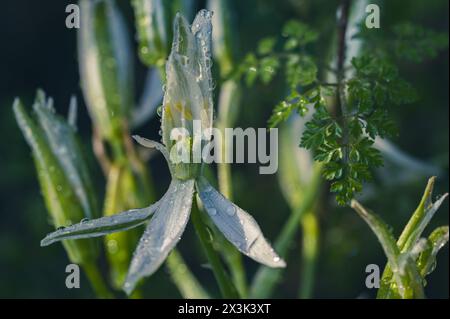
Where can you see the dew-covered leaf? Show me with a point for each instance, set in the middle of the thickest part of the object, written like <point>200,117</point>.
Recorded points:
<point>162,233</point>
<point>238,226</point>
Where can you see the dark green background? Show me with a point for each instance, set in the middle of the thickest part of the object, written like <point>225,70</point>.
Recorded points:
<point>37,51</point>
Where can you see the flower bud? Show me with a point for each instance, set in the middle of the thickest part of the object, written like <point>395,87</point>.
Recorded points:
<point>106,66</point>
<point>223,44</point>
<point>64,179</point>
<point>152,18</point>
<point>188,94</point>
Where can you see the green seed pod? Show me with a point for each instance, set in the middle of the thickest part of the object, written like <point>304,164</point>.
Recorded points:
<point>106,66</point>
<point>188,94</point>
<point>152,18</point>
<point>223,44</point>
<point>65,186</point>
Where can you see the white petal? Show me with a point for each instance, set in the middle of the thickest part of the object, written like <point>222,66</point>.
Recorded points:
<point>238,226</point>
<point>162,233</point>
<point>102,226</point>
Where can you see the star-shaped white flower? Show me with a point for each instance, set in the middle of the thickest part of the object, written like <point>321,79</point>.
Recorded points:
<point>187,98</point>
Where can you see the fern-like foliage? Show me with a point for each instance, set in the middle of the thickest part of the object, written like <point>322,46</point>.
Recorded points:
<point>342,138</point>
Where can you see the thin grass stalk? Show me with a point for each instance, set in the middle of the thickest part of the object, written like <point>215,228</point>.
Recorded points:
<point>310,249</point>
<point>228,100</point>
<point>226,286</point>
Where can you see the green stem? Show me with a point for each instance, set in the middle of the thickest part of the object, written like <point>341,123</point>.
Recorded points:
<point>266,278</point>
<point>232,255</point>
<point>188,285</point>
<point>97,282</point>
<point>310,247</point>
<point>229,98</point>
<point>226,287</point>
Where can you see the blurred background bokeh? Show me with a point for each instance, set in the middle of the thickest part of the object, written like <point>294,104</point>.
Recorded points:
<point>38,51</point>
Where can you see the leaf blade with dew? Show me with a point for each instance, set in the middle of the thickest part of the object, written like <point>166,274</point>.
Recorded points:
<point>436,241</point>
<point>237,226</point>
<point>162,233</point>
<point>102,226</point>
<point>381,230</point>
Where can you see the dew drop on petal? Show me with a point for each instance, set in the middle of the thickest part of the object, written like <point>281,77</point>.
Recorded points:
<point>231,210</point>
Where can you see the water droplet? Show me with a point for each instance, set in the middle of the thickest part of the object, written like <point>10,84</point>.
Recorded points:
<point>59,188</point>
<point>159,110</point>
<point>212,211</point>
<point>276,259</point>
<point>60,228</point>
<point>84,220</point>
<point>231,210</point>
